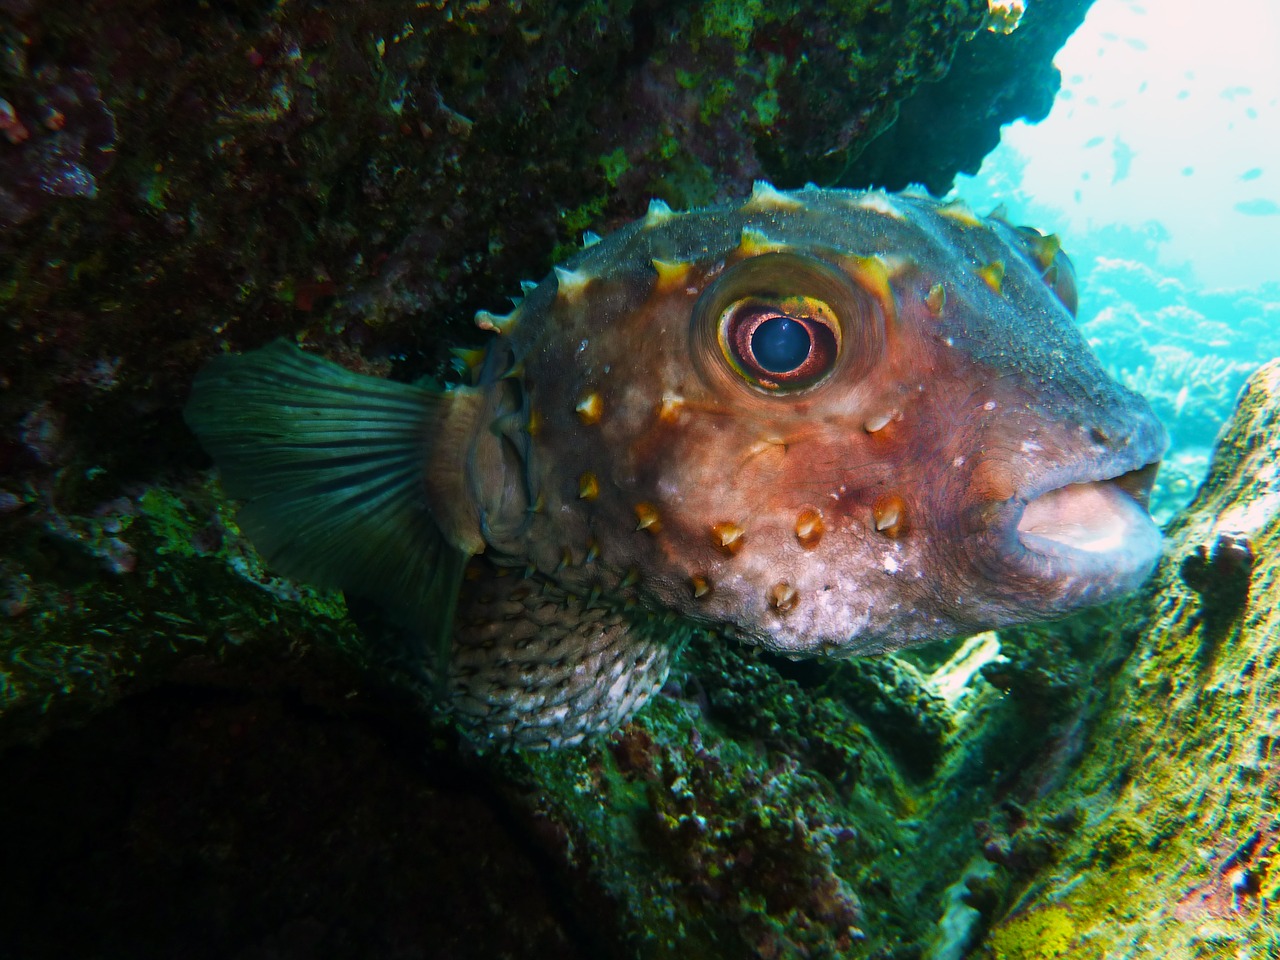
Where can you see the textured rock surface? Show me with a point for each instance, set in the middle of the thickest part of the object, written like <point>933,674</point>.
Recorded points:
<point>367,175</point>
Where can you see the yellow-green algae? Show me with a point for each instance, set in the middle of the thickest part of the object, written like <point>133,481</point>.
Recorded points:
<point>1038,935</point>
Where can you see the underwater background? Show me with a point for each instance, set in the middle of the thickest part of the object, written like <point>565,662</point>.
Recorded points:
<point>200,758</point>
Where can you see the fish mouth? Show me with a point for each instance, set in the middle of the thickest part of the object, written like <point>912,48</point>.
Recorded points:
<point>1091,534</point>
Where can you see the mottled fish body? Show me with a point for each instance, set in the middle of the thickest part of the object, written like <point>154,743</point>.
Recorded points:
<point>823,421</point>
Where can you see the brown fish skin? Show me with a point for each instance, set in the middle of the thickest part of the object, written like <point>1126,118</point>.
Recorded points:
<point>945,420</point>
<point>635,458</point>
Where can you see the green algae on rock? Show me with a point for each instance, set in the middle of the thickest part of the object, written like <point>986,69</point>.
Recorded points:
<point>113,601</point>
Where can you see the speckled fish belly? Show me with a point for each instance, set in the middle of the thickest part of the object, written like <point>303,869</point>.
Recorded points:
<point>822,421</point>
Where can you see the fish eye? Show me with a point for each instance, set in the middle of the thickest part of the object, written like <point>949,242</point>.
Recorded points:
<point>788,345</point>
<point>782,322</point>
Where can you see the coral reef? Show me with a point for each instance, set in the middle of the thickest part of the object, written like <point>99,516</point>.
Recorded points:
<point>61,138</point>
<point>1187,350</point>
<point>115,599</point>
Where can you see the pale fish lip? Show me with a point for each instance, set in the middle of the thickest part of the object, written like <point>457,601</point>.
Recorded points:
<point>1094,528</point>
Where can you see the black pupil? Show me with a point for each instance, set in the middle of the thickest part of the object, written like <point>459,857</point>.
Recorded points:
<point>781,344</point>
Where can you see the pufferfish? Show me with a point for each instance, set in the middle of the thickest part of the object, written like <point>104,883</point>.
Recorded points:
<point>826,422</point>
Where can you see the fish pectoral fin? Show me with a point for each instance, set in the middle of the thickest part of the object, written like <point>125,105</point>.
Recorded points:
<point>331,466</point>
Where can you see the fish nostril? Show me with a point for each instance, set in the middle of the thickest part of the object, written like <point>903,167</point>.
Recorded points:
<point>992,479</point>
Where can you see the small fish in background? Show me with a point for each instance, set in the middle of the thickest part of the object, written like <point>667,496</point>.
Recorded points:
<point>1122,155</point>
<point>1257,207</point>
<point>826,422</point>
